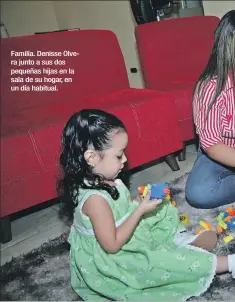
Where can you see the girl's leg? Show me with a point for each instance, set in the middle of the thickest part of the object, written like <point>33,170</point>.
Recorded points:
<point>222,264</point>
<point>226,264</point>
<point>210,184</point>
<point>207,240</point>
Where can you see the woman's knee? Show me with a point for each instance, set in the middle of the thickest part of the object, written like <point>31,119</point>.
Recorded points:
<point>207,184</point>
<point>199,195</point>
<point>199,201</point>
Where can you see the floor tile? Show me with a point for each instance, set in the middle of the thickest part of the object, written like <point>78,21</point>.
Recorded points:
<point>30,225</point>
<point>32,242</point>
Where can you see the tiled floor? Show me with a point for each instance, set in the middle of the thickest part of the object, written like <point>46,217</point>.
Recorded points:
<point>34,229</point>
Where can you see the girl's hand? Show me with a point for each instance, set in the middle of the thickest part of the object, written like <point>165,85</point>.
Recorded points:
<point>137,198</point>
<point>147,205</point>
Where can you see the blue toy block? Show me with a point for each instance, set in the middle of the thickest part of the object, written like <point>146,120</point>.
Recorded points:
<point>231,224</point>
<point>159,191</point>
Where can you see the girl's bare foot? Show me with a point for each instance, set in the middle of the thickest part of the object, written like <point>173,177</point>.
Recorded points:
<point>206,240</point>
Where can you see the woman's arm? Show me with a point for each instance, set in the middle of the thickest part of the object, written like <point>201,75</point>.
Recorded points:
<point>222,153</point>
<point>110,238</point>
<point>209,125</point>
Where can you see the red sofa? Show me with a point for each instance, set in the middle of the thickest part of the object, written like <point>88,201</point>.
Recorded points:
<point>173,53</point>
<point>32,121</point>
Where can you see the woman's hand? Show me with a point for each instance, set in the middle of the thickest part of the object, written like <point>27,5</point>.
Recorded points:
<point>222,154</point>
<point>146,205</point>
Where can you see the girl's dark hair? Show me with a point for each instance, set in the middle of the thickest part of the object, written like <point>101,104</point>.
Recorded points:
<point>222,59</point>
<point>84,129</point>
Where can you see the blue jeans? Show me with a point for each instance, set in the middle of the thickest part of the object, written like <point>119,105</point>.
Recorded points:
<point>210,184</point>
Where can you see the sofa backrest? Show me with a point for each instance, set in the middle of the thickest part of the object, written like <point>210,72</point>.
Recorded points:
<point>175,50</point>
<point>98,66</point>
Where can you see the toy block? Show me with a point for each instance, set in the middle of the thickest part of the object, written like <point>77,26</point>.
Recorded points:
<point>184,218</point>
<point>219,229</point>
<point>158,191</point>
<point>146,190</point>
<point>198,231</point>
<point>228,218</point>
<point>205,225</point>
<point>223,225</point>
<point>229,210</point>
<point>231,224</point>
<point>166,191</point>
<point>228,238</point>
<point>141,190</point>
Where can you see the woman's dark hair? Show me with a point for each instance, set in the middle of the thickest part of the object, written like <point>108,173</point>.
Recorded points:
<point>222,59</point>
<point>85,129</point>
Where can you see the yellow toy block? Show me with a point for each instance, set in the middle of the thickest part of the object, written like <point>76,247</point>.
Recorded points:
<point>228,238</point>
<point>220,217</point>
<point>205,225</point>
<point>184,218</point>
<point>146,189</point>
<point>143,190</point>
<point>168,197</point>
<point>223,225</point>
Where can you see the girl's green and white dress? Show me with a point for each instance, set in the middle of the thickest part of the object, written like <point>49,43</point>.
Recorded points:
<point>155,264</point>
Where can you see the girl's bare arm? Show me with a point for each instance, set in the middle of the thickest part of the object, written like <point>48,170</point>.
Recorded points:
<point>110,238</point>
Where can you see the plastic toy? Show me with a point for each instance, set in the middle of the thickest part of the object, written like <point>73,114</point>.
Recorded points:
<point>158,191</point>
<point>226,220</point>
<point>204,225</point>
<point>219,229</point>
<point>228,238</point>
<point>184,218</point>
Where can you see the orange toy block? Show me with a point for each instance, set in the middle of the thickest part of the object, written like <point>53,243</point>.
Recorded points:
<point>198,231</point>
<point>229,210</point>
<point>141,190</point>
<point>219,229</point>
<point>228,218</point>
<point>166,191</point>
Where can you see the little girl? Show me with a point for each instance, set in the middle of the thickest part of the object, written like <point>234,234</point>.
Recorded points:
<point>124,249</point>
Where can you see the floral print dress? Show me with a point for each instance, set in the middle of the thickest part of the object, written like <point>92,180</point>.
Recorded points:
<point>155,264</point>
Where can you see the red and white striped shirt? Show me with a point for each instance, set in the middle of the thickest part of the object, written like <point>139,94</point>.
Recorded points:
<point>217,125</point>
